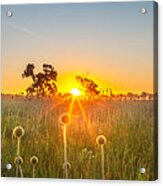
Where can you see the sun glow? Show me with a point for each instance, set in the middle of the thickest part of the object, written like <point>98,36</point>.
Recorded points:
<point>75,92</point>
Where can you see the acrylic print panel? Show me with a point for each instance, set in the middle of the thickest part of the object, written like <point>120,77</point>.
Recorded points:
<point>79,91</point>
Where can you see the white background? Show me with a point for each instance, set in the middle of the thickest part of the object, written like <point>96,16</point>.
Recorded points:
<point>56,182</point>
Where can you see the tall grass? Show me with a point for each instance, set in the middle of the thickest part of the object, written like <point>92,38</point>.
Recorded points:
<point>127,126</point>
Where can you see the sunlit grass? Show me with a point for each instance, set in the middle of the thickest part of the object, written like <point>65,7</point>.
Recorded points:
<point>127,126</point>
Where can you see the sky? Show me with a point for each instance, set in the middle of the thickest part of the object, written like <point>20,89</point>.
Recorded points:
<point>112,43</point>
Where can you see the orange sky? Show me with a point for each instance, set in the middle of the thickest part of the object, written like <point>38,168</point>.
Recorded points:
<point>119,80</point>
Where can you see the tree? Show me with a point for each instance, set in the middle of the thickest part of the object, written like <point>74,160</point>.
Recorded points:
<point>90,87</point>
<point>29,71</point>
<point>130,95</point>
<point>44,83</point>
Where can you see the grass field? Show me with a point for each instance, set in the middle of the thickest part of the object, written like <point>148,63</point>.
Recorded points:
<point>127,125</point>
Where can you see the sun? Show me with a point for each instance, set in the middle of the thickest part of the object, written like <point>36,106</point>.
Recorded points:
<point>75,92</point>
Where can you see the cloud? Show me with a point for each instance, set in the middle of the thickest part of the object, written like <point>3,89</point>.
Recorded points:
<point>24,30</point>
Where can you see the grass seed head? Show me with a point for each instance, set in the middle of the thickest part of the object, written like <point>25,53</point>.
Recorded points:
<point>68,164</point>
<point>84,151</point>
<point>34,160</point>
<point>18,160</point>
<point>18,132</point>
<point>65,119</point>
<point>101,140</point>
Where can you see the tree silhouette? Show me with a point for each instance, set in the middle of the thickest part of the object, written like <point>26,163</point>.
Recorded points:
<point>90,87</point>
<point>130,95</point>
<point>29,71</point>
<point>44,83</point>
